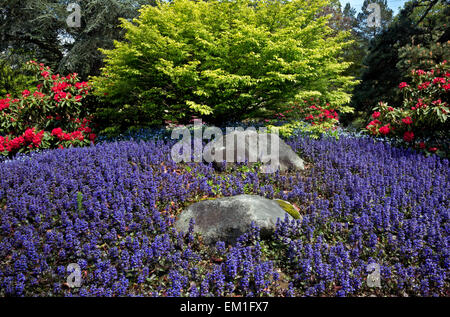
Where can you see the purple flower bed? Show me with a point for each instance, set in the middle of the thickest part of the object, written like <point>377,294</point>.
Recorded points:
<point>110,208</point>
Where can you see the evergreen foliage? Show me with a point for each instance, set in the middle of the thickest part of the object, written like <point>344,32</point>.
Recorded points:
<point>39,28</point>
<point>391,56</point>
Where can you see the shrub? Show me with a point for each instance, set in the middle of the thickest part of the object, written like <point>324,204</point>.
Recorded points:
<point>311,116</point>
<point>223,60</point>
<point>412,57</point>
<point>49,117</point>
<point>13,79</point>
<point>421,121</point>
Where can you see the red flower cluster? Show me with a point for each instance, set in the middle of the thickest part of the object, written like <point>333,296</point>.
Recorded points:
<point>373,126</point>
<point>385,129</point>
<point>408,136</point>
<point>314,113</point>
<point>4,103</point>
<point>402,85</point>
<point>423,113</point>
<point>77,134</point>
<point>407,120</point>
<point>29,139</point>
<point>82,85</point>
<point>376,114</point>
<point>420,72</point>
<point>42,109</point>
<point>424,85</point>
<point>439,80</point>
<point>320,114</point>
<point>420,104</point>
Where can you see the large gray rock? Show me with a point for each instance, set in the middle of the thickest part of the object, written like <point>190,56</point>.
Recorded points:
<point>255,147</point>
<point>226,219</point>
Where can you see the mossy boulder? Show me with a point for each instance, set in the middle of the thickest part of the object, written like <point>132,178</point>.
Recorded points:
<point>226,219</point>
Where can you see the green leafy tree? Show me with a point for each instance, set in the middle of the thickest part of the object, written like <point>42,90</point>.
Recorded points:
<point>223,60</point>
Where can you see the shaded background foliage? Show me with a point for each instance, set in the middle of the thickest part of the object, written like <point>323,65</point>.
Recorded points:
<point>391,54</point>
<point>38,30</point>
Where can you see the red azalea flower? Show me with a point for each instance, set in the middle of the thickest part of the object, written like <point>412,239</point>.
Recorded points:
<point>402,85</point>
<point>4,103</point>
<point>88,130</point>
<point>407,120</point>
<point>16,143</point>
<point>37,139</point>
<point>424,85</point>
<point>81,85</point>
<point>408,136</point>
<point>38,94</point>
<point>57,132</point>
<point>390,109</point>
<point>433,149</point>
<point>28,135</point>
<point>420,104</point>
<point>437,102</point>
<point>376,114</point>
<point>439,80</point>
<point>25,93</point>
<point>420,72</point>
<point>422,145</point>
<point>77,135</point>
<point>384,129</point>
<point>65,137</point>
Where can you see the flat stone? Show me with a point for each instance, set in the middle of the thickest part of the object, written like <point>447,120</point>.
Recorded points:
<point>226,219</point>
